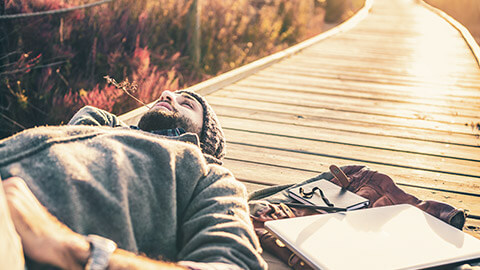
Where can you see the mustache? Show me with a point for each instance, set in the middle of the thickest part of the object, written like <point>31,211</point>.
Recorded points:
<point>174,109</point>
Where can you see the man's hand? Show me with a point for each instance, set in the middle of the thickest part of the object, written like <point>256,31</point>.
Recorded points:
<point>44,238</point>
<point>11,251</point>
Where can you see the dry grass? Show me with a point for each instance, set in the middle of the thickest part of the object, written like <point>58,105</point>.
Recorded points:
<point>50,66</point>
<point>340,10</point>
<point>466,12</point>
<point>53,65</point>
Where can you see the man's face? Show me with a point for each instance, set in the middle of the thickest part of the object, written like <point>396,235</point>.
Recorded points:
<point>174,110</point>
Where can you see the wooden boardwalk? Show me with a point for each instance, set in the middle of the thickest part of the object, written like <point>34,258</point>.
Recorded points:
<point>397,93</point>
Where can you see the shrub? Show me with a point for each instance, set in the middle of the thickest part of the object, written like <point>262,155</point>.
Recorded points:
<point>53,65</point>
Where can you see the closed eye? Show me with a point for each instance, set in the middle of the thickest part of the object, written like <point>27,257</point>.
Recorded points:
<point>192,102</point>
<point>187,104</point>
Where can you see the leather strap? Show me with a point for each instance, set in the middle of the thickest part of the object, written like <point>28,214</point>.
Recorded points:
<point>340,175</point>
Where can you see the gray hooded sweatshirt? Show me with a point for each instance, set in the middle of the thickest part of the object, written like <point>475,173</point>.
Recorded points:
<point>149,194</point>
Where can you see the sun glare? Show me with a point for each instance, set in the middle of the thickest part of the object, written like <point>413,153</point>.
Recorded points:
<point>433,58</point>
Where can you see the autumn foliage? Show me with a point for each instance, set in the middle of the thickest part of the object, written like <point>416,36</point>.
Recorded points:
<point>53,65</point>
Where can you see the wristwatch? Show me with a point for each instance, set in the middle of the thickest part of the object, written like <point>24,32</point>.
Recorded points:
<point>100,250</point>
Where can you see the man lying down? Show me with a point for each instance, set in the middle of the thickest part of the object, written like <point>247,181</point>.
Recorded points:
<point>87,195</point>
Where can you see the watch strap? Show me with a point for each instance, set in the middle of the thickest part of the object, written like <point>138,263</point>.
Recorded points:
<point>101,249</point>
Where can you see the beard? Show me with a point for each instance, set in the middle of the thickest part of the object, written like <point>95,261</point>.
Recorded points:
<point>160,119</point>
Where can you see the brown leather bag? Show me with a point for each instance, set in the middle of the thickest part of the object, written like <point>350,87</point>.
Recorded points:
<point>380,189</point>
<point>377,187</point>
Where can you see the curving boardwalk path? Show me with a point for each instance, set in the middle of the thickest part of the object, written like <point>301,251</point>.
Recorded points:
<point>398,93</point>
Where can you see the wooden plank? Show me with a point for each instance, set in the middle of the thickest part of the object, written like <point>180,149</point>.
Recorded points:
<point>348,101</point>
<point>291,72</point>
<point>391,31</point>
<point>315,113</point>
<point>366,90</point>
<point>311,100</point>
<point>384,79</point>
<point>400,25</point>
<point>398,42</point>
<point>406,75</point>
<point>358,154</point>
<point>247,172</point>
<point>404,52</point>
<point>406,40</point>
<point>403,63</point>
<point>251,187</point>
<point>408,50</point>
<point>291,163</point>
<point>385,55</point>
<point>347,126</point>
<point>334,48</point>
<point>337,52</point>
<point>371,141</point>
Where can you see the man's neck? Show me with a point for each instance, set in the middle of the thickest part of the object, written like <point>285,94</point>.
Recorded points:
<point>165,132</point>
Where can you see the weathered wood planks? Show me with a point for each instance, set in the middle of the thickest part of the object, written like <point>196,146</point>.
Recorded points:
<point>399,93</point>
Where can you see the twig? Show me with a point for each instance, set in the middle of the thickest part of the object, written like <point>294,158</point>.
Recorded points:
<point>62,78</point>
<point>126,87</point>
<point>35,67</point>
<point>11,120</point>
<point>51,12</point>
<point>8,54</point>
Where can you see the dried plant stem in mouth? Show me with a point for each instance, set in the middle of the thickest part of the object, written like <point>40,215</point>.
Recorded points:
<point>127,87</point>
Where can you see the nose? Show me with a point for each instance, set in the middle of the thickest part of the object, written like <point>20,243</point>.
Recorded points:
<point>167,96</point>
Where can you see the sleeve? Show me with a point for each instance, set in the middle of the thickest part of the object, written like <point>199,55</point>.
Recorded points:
<point>92,116</point>
<point>217,232</point>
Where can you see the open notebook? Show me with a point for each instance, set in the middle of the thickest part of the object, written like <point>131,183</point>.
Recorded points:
<point>390,237</point>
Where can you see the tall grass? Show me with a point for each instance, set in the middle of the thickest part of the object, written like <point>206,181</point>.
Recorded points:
<point>340,10</point>
<point>53,65</point>
<point>466,12</point>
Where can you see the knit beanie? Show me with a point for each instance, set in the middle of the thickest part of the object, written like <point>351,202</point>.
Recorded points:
<point>212,139</point>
